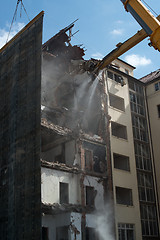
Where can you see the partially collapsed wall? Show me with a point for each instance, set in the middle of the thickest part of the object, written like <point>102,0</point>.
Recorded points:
<point>74,135</point>
<point>74,138</point>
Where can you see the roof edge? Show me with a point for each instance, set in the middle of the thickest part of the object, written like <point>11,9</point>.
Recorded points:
<point>126,63</point>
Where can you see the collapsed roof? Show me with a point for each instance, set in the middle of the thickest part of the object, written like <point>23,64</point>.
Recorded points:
<point>70,97</point>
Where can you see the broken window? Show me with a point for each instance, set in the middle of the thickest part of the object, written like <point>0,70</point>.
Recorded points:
<point>126,231</point>
<point>90,196</point>
<point>115,77</point>
<point>119,130</point>
<point>121,162</point>
<point>118,78</point>
<point>64,196</point>
<point>88,159</point>
<point>124,196</point>
<point>158,109</point>
<point>62,233</point>
<point>95,157</point>
<point>117,102</point>
<point>91,234</point>
<point>110,74</point>
<point>45,233</point>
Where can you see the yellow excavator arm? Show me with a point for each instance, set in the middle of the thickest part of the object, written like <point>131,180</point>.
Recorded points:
<point>146,19</point>
<point>122,48</point>
<point>150,27</point>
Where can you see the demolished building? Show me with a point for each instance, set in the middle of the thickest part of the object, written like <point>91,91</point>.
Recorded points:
<point>72,157</point>
<point>76,153</point>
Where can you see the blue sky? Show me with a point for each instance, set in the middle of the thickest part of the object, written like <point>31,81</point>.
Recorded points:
<point>102,24</point>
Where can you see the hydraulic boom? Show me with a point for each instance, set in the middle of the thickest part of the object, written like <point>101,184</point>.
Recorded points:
<point>146,19</point>
<point>150,25</point>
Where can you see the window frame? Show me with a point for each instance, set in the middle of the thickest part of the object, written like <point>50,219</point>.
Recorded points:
<point>149,220</point>
<point>125,227</point>
<point>145,187</point>
<point>116,77</point>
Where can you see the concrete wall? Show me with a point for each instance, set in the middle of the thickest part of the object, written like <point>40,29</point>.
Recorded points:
<point>73,221</point>
<point>50,180</point>
<point>121,178</point>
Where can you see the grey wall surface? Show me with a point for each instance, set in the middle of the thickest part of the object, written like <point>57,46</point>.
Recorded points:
<point>20,179</point>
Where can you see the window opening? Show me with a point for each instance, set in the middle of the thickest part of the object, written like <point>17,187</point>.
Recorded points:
<point>91,234</point>
<point>45,233</point>
<point>119,130</point>
<point>158,109</point>
<point>115,77</point>
<point>64,198</point>
<point>126,71</point>
<point>157,86</point>
<point>121,162</point>
<point>62,233</point>
<point>90,196</point>
<point>117,102</point>
<point>124,196</point>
